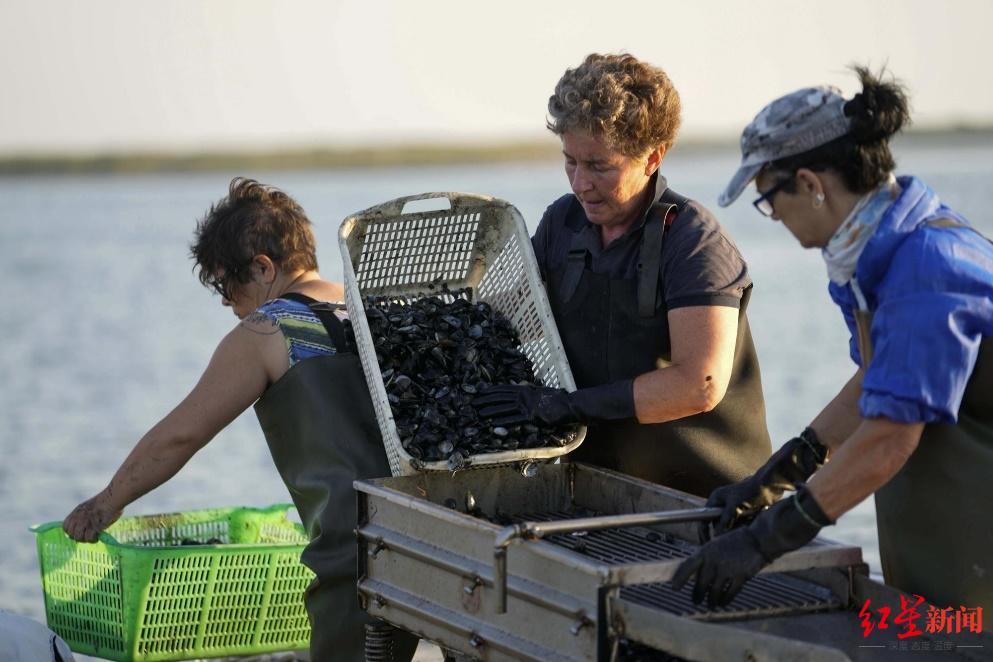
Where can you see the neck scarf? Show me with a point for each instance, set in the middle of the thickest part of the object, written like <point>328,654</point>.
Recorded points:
<point>844,248</point>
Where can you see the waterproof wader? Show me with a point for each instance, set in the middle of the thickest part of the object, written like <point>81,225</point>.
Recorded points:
<point>934,517</point>
<point>321,428</point>
<point>617,329</point>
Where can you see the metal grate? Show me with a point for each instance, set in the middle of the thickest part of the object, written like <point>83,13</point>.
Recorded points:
<point>767,595</point>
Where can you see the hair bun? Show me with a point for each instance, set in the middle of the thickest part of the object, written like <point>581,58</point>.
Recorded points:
<point>880,110</point>
<point>855,107</point>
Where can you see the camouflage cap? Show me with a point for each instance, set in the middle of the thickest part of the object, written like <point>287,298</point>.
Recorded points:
<point>790,125</point>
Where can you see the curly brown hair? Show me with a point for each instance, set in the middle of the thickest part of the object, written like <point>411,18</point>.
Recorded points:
<point>253,219</point>
<point>631,105</point>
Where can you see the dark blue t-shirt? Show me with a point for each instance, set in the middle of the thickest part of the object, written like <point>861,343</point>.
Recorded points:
<point>701,266</point>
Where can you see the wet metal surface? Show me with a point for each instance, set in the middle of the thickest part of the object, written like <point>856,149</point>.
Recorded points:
<point>582,592</point>
<point>765,595</point>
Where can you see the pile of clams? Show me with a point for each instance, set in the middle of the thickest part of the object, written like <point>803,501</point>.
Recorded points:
<point>435,356</point>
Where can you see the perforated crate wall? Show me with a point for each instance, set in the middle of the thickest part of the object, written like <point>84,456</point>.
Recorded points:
<point>137,596</point>
<point>479,242</point>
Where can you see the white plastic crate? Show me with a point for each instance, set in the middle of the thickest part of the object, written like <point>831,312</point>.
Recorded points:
<point>477,241</point>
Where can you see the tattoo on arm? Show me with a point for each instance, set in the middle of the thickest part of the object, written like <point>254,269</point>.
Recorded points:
<point>258,323</point>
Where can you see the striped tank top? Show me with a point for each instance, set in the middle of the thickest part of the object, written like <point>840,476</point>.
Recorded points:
<point>304,333</point>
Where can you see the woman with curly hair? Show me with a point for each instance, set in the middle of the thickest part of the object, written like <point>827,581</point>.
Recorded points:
<point>649,294</point>
<point>914,424</point>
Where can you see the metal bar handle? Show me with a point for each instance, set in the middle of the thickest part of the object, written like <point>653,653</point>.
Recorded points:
<point>537,530</point>
<point>542,529</point>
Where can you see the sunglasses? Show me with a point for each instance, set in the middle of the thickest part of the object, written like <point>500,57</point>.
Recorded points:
<point>222,284</point>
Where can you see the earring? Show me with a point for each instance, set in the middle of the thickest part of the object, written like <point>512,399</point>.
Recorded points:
<point>818,200</point>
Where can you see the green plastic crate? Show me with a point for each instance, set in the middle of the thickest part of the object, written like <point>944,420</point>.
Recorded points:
<point>135,596</point>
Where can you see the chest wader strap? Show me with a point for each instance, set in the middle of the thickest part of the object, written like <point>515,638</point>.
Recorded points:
<point>863,339</point>
<point>863,323</point>
<point>660,218</point>
<point>575,265</point>
<point>334,326</point>
<point>325,312</point>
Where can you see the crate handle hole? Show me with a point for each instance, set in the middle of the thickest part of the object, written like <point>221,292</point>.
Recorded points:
<point>426,204</point>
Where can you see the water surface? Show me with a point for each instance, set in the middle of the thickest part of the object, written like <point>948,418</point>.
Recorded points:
<point>107,327</point>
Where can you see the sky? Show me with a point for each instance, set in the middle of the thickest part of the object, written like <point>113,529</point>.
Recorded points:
<point>120,75</point>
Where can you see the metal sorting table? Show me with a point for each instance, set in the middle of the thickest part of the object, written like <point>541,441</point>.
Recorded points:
<point>430,549</point>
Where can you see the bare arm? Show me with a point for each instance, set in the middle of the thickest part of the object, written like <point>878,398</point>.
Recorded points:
<point>866,461</point>
<point>235,377</point>
<point>703,340</point>
<point>840,418</point>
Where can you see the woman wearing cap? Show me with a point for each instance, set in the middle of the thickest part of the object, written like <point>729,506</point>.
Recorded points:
<point>914,425</point>
<point>648,292</point>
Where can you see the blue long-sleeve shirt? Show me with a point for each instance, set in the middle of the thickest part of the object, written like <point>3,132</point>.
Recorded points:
<point>930,289</point>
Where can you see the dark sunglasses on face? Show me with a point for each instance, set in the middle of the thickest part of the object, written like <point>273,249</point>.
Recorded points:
<point>222,285</point>
<point>764,202</point>
<point>219,287</point>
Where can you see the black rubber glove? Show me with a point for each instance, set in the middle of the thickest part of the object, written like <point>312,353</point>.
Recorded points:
<point>511,404</point>
<point>723,565</point>
<point>788,468</point>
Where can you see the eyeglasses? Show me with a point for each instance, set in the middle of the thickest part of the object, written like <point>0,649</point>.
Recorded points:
<point>764,202</point>
<point>222,284</point>
<point>219,286</point>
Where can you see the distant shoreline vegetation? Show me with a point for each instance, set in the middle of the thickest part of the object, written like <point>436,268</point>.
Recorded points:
<point>140,162</point>
<point>276,159</point>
